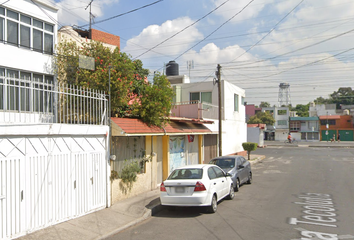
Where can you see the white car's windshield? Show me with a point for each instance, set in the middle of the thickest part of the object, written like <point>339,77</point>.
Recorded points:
<point>190,173</point>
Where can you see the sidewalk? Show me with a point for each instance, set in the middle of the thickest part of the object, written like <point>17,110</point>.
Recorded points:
<point>311,144</point>
<point>109,221</point>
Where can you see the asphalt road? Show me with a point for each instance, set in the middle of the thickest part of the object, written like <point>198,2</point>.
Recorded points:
<point>297,193</point>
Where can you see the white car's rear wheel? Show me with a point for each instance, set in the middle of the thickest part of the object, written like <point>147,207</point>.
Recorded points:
<point>214,204</point>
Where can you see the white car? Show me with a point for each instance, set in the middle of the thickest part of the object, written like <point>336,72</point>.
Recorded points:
<point>196,185</point>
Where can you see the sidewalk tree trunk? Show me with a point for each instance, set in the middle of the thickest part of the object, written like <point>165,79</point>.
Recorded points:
<point>249,147</point>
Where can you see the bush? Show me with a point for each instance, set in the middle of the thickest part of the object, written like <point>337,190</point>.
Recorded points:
<point>249,146</point>
<point>129,173</point>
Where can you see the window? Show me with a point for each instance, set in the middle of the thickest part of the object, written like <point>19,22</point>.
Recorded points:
<point>201,96</point>
<point>219,172</point>
<point>211,173</point>
<point>1,29</point>
<point>282,122</point>
<point>25,40</point>
<point>282,112</point>
<point>328,121</point>
<point>25,91</point>
<point>27,32</point>
<point>294,126</point>
<point>37,40</point>
<point>235,102</point>
<point>12,32</point>
<point>242,100</point>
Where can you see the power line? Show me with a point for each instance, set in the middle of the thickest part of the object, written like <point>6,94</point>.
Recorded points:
<point>195,22</point>
<point>122,14</point>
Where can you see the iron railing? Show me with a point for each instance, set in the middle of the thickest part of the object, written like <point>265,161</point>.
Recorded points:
<point>24,101</point>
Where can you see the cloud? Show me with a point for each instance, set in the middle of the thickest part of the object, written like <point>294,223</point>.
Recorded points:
<point>74,13</point>
<point>233,7</point>
<point>155,34</point>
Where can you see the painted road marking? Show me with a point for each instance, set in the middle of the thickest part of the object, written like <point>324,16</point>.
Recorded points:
<point>321,236</point>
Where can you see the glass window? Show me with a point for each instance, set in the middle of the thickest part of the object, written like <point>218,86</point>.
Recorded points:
<point>235,102</point>
<point>194,96</point>
<point>206,97</point>
<point>25,19</point>
<point>12,32</point>
<point>37,40</point>
<point>2,94</point>
<point>1,29</point>
<point>2,11</point>
<point>25,91</point>
<point>48,43</point>
<point>12,90</point>
<point>242,100</point>
<point>37,23</point>
<point>211,173</point>
<point>219,172</point>
<point>25,36</point>
<point>12,14</point>
<point>49,28</point>
<point>282,122</point>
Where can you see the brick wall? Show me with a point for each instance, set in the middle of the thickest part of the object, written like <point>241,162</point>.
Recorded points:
<point>105,37</point>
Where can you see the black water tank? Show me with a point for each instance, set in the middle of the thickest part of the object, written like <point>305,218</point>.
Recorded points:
<point>172,69</point>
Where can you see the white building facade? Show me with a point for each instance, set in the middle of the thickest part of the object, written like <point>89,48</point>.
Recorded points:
<point>234,127</point>
<point>53,143</point>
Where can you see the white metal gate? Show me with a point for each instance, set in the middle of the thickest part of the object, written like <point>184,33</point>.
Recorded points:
<point>39,190</point>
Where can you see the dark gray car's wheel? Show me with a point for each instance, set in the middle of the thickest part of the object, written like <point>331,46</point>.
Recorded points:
<point>231,193</point>
<point>214,204</point>
<point>249,181</point>
<point>237,185</point>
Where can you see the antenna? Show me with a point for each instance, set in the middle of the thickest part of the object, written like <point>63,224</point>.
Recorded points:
<point>90,17</point>
<point>190,65</point>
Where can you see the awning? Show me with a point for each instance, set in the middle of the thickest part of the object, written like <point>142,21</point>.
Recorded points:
<point>329,117</point>
<point>135,127</point>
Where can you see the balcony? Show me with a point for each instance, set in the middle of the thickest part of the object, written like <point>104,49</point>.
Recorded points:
<point>28,102</point>
<point>196,110</point>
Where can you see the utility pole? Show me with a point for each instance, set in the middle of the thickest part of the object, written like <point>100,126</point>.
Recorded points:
<point>90,18</point>
<point>218,75</point>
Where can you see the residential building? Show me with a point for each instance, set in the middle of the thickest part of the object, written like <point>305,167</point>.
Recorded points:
<point>199,100</point>
<point>332,125</point>
<point>251,110</point>
<point>279,131</point>
<point>53,150</point>
<point>305,128</point>
<point>321,109</point>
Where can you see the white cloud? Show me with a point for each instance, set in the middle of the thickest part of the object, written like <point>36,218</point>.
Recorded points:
<point>233,7</point>
<point>155,34</point>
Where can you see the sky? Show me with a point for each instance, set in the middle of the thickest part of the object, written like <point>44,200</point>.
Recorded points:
<point>259,44</point>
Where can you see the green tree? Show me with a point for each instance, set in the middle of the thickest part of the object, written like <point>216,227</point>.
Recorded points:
<point>129,85</point>
<point>249,146</point>
<point>155,102</point>
<point>262,117</point>
<point>264,104</point>
<point>302,110</point>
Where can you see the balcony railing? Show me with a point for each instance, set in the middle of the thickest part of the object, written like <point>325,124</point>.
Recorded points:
<point>24,101</point>
<point>195,109</point>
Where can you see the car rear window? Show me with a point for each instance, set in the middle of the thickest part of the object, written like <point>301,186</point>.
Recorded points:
<point>224,163</point>
<point>190,173</point>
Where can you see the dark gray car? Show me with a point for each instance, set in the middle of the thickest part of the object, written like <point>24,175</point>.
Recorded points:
<point>237,166</point>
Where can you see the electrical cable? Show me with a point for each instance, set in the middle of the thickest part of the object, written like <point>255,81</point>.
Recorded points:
<point>122,14</point>
<point>182,30</point>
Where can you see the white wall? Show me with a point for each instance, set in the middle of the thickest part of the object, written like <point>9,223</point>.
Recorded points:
<point>234,127</point>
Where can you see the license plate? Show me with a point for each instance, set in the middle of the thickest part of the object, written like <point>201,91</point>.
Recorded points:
<point>179,189</point>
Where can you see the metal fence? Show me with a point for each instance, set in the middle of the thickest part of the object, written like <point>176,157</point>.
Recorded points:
<point>23,101</point>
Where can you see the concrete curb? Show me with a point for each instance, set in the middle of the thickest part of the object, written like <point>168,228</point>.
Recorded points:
<point>145,216</point>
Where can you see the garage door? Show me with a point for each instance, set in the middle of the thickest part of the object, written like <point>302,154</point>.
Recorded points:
<point>346,135</point>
